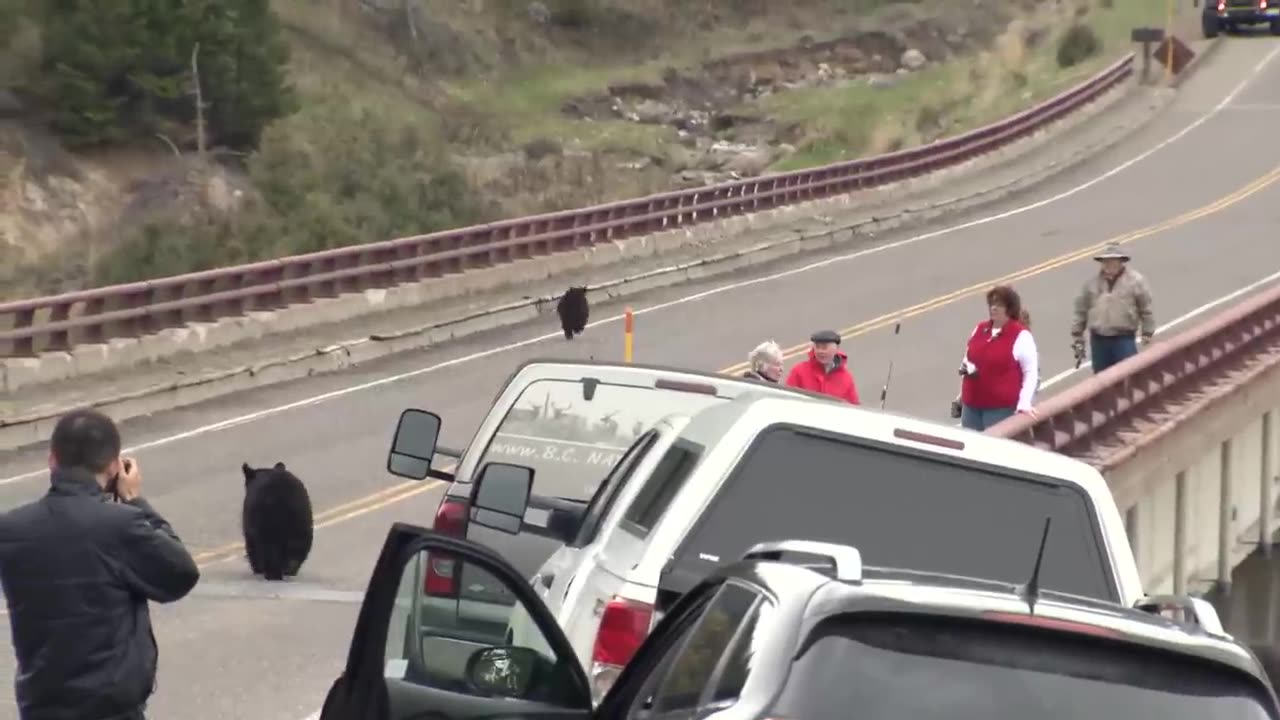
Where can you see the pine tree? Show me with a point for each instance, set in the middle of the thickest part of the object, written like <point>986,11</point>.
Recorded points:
<point>121,68</point>
<point>242,60</point>
<point>90,49</point>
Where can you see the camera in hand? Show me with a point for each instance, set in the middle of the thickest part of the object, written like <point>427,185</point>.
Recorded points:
<point>113,485</point>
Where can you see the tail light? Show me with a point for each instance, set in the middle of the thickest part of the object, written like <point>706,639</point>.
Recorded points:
<point>623,628</point>
<point>1054,624</point>
<point>451,519</point>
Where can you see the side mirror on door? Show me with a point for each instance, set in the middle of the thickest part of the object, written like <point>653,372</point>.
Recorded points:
<point>414,444</point>
<point>501,496</point>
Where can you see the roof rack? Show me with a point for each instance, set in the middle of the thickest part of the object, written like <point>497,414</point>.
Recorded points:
<point>846,559</point>
<point>1192,611</point>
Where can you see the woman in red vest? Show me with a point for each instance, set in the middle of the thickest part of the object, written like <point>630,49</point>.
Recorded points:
<point>1001,366</point>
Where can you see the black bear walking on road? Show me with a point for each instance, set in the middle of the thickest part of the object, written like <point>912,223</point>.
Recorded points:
<point>276,521</point>
<point>573,311</point>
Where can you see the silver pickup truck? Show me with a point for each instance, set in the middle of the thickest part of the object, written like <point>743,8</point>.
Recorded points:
<point>570,423</point>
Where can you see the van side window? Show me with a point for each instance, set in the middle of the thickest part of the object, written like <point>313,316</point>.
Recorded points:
<point>668,477</point>
<point>602,501</point>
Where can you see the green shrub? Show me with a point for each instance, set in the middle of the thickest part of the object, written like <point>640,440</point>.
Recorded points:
<point>339,174</point>
<point>1078,44</point>
<point>330,176</point>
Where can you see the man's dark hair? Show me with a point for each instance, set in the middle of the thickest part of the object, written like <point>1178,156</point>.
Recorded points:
<point>85,439</point>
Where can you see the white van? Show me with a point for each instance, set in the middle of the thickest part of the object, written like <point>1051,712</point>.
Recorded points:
<point>694,492</point>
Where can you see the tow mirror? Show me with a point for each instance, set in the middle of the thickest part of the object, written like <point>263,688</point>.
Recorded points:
<point>501,496</point>
<point>414,444</point>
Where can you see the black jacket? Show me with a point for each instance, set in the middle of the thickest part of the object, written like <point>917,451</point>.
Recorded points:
<point>77,570</point>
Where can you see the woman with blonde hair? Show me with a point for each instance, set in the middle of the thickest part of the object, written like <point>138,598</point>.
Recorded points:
<point>765,362</point>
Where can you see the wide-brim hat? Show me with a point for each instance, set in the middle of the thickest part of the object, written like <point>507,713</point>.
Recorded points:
<point>1111,252</point>
<point>825,336</point>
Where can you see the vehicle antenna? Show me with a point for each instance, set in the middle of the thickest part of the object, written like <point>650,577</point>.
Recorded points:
<point>1031,591</point>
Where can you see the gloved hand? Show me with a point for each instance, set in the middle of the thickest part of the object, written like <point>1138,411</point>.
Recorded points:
<point>1077,347</point>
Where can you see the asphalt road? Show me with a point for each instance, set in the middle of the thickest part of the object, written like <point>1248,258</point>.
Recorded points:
<point>1200,212</point>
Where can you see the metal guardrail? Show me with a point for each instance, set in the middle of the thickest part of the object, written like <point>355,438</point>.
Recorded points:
<point>29,327</point>
<point>1129,402</point>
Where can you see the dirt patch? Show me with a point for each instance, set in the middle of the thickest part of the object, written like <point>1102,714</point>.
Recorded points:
<point>713,106</point>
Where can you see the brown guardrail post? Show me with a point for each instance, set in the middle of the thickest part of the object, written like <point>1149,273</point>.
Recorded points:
<point>1266,523</point>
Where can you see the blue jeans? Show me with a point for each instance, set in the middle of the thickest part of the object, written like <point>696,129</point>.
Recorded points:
<point>981,419</point>
<point>1107,350</point>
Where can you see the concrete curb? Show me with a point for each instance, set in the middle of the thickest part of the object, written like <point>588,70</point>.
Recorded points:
<point>34,428</point>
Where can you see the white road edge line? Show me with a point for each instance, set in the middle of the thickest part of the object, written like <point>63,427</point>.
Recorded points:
<point>250,417</point>
<point>1173,323</point>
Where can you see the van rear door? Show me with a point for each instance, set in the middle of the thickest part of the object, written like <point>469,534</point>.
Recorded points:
<point>903,508</point>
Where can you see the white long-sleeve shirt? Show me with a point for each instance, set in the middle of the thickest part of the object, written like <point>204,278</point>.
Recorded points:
<point>1028,358</point>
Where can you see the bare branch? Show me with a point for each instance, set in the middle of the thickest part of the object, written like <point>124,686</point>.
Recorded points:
<point>167,141</point>
<point>195,74</point>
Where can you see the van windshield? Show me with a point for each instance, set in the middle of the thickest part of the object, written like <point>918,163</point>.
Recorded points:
<point>901,510</point>
<point>891,666</point>
<point>572,443</point>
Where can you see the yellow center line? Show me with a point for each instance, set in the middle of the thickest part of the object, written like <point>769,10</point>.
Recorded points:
<point>401,491</point>
<point>1067,258</point>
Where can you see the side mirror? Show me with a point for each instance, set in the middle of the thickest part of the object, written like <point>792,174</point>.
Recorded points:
<point>503,671</point>
<point>414,444</point>
<point>563,525</point>
<point>501,496</point>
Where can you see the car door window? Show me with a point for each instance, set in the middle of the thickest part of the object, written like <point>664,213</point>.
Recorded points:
<point>439,644</point>
<point>704,660</point>
<point>740,659</point>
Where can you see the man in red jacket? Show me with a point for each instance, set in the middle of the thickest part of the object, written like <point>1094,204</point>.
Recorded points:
<point>826,370</point>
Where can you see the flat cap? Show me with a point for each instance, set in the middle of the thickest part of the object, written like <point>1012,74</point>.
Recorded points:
<point>825,336</point>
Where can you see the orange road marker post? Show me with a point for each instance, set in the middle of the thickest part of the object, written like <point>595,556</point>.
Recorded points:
<point>628,334</point>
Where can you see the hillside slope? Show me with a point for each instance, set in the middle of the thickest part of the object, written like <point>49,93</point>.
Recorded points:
<point>419,115</point>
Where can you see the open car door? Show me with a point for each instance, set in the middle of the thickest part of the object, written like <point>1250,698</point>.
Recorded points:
<point>415,656</point>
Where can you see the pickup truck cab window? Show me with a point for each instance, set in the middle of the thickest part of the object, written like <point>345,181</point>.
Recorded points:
<point>572,441</point>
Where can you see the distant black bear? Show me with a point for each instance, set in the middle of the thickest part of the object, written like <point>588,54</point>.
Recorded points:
<point>276,521</point>
<point>573,311</point>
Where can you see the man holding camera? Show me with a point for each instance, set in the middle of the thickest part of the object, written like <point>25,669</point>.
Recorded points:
<point>78,567</point>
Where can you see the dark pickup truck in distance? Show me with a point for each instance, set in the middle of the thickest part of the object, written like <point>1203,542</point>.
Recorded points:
<point>1229,15</point>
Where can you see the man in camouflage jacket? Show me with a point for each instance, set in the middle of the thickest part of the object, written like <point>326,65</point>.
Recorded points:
<point>1115,306</point>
